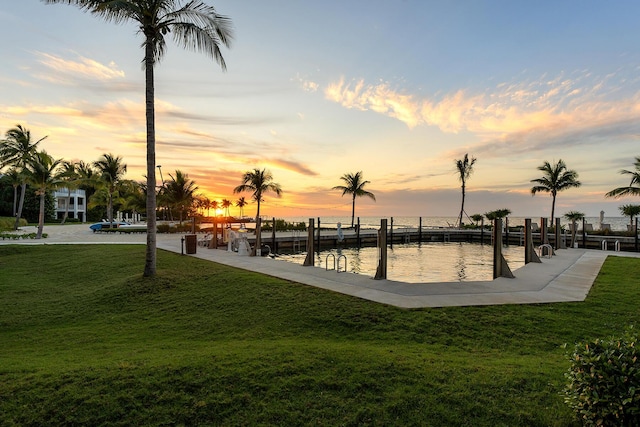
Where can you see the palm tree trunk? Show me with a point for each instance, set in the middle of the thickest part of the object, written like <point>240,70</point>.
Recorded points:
<point>66,206</point>
<point>23,189</point>
<point>461,207</point>
<point>41,215</point>
<point>15,199</point>
<point>553,207</point>
<point>353,209</point>
<point>150,256</point>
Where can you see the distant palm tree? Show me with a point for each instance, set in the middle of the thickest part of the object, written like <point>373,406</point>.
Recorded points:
<point>465,168</point>
<point>354,185</point>
<point>631,211</point>
<point>16,150</point>
<point>43,173</point>
<point>69,176</point>
<point>15,179</point>
<point>555,178</point>
<point>180,192</point>
<point>633,189</point>
<point>194,25</point>
<point>258,182</point>
<point>241,203</point>
<point>497,214</point>
<point>477,218</point>
<point>112,171</point>
<point>225,205</point>
<point>574,217</point>
<point>214,206</point>
<point>135,196</point>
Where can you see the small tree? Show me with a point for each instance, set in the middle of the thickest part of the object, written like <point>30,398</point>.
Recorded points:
<point>631,211</point>
<point>497,214</point>
<point>555,178</point>
<point>574,216</point>
<point>354,185</point>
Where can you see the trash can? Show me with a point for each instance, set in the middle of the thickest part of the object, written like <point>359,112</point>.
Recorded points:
<point>191,243</point>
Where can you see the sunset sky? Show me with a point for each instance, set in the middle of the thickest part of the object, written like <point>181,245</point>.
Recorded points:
<point>313,90</point>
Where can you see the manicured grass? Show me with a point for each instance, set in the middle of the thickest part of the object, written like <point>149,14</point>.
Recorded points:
<point>85,340</point>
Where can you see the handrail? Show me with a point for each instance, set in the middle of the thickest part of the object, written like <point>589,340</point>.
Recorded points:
<point>549,250</point>
<point>326,262</point>
<point>345,263</point>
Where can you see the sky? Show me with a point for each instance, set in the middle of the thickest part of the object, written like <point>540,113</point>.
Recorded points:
<point>313,90</point>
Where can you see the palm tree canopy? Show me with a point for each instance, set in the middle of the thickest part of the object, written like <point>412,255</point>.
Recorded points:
<point>193,24</point>
<point>354,185</point>
<point>465,168</point>
<point>555,178</point>
<point>111,169</point>
<point>574,215</point>
<point>17,148</point>
<point>633,189</point>
<point>180,190</point>
<point>630,210</point>
<point>259,182</point>
<point>43,172</point>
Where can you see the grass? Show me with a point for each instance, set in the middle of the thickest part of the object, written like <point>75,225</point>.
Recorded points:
<point>87,341</point>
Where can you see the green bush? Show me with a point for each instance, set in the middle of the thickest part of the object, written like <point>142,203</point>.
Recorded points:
<point>604,381</point>
<point>6,223</point>
<point>282,225</point>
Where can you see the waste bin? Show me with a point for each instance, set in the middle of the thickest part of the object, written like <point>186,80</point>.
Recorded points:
<point>191,242</point>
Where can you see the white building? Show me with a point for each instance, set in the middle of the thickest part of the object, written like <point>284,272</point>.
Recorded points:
<point>77,206</point>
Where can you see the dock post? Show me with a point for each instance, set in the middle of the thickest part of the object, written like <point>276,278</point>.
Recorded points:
<point>543,231</point>
<point>358,233</point>
<point>500,266</point>
<point>482,231</point>
<point>506,230</point>
<point>584,233</point>
<point>559,243</point>
<point>308,261</point>
<point>318,244</point>
<point>419,229</point>
<point>381,271</point>
<point>391,233</point>
<point>529,253</point>
<point>257,249</point>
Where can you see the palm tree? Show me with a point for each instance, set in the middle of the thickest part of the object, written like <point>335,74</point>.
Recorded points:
<point>71,181</point>
<point>634,186</point>
<point>241,203</point>
<point>180,192</point>
<point>135,196</point>
<point>465,168</point>
<point>497,214</point>
<point>354,186</point>
<point>555,178</point>
<point>16,150</point>
<point>259,182</point>
<point>574,216</point>
<point>194,25</point>
<point>15,179</point>
<point>631,211</point>
<point>112,171</point>
<point>226,204</point>
<point>42,172</point>
<point>476,218</point>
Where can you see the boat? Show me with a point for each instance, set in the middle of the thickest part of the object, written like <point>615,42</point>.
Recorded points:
<point>106,225</point>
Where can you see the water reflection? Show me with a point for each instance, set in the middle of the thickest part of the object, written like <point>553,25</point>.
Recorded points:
<point>424,262</point>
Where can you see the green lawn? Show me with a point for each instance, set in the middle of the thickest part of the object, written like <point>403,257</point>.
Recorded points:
<point>85,340</point>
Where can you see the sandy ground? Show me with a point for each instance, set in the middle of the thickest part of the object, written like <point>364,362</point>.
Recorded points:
<point>81,233</point>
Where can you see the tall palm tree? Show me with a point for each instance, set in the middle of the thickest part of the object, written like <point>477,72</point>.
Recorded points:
<point>555,178</point>
<point>241,203</point>
<point>633,189</point>
<point>43,173</point>
<point>258,182</point>
<point>17,150</point>
<point>180,192</point>
<point>194,25</point>
<point>355,186</point>
<point>464,167</point>
<point>112,171</point>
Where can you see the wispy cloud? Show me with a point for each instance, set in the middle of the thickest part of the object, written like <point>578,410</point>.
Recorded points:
<point>520,116</point>
<point>60,70</point>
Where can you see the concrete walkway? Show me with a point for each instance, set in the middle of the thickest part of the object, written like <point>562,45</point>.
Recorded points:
<point>568,276</point>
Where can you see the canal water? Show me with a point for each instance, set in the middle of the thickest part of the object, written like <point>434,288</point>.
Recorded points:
<point>418,262</point>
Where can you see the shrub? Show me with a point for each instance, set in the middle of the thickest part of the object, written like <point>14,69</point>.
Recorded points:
<point>282,225</point>
<point>604,381</point>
